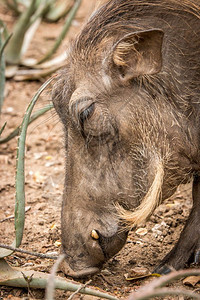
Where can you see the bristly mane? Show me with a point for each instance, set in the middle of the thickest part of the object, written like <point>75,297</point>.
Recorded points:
<point>124,16</point>
<point>178,19</point>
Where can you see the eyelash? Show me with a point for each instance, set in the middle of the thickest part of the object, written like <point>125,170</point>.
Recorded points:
<point>86,114</point>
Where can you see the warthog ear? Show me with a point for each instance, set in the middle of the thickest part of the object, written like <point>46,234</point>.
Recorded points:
<point>138,53</point>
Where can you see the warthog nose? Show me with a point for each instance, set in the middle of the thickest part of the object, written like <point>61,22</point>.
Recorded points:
<point>78,274</point>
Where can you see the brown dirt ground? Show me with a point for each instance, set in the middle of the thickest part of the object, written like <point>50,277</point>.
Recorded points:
<point>44,185</point>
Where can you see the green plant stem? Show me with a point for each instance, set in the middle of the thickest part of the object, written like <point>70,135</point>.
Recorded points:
<point>2,69</point>
<point>35,116</point>
<point>4,45</point>
<point>19,182</point>
<point>2,73</point>
<point>2,128</point>
<point>14,277</point>
<point>5,30</point>
<point>41,9</point>
<point>64,31</point>
<point>13,51</point>
<point>13,6</point>
<point>58,11</point>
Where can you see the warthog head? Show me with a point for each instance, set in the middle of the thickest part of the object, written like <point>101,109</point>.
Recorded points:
<point>119,126</point>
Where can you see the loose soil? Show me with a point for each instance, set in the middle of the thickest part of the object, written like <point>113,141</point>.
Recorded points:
<point>44,185</point>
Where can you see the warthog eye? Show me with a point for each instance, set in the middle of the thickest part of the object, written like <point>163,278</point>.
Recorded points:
<point>86,114</point>
<point>82,110</point>
<point>92,119</point>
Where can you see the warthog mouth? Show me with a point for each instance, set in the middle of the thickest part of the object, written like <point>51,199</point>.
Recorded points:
<point>99,249</point>
<point>65,268</point>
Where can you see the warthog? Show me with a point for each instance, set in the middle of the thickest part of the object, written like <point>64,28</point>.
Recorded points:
<point>128,99</point>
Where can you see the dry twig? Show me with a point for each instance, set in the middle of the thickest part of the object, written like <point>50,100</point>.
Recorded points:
<point>12,216</point>
<point>28,280</point>
<point>49,295</point>
<point>157,286</point>
<point>41,255</point>
<point>81,287</point>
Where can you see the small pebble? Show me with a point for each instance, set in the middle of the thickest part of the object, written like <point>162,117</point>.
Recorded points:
<point>141,231</point>
<point>106,272</point>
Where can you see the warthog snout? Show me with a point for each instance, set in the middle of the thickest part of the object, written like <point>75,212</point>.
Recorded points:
<point>89,256</point>
<point>78,274</point>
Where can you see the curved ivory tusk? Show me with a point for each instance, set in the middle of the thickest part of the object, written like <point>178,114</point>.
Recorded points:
<point>94,234</point>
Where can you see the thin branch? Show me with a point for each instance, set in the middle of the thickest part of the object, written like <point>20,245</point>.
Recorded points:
<point>164,280</point>
<point>161,293</point>
<point>28,280</point>
<point>156,286</point>
<point>41,255</point>
<point>81,287</point>
<point>51,281</point>
<point>12,216</point>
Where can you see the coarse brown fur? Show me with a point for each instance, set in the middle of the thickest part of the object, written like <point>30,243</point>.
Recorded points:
<point>129,102</point>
